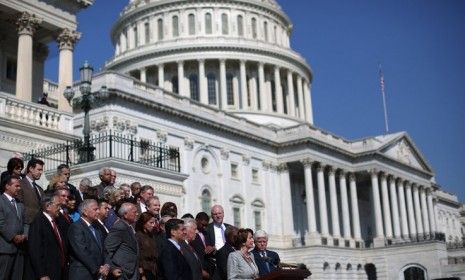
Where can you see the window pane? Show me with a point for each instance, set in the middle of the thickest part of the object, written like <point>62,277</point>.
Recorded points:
<point>194,86</point>
<point>230,89</point>
<point>147,32</point>
<point>136,37</point>
<point>206,201</point>
<point>258,220</point>
<point>160,29</point>
<point>208,23</point>
<point>240,26</point>
<point>265,30</point>
<point>211,78</point>
<point>225,24</point>
<point>175,26</point>
<point>254,28</point>
<point>191,24</point>
<point>237,217</point>
<point>174,82</point>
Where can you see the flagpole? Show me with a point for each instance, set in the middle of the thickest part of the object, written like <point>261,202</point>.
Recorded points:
<point>381,78</point>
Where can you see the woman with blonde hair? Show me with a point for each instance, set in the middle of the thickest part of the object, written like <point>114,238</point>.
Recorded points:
<point>58,181</point>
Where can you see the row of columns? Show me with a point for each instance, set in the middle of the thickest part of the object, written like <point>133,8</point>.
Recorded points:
<point>264,103</point>
<point>405,211</point>
<point>348,215</point>
<point>27,25</point>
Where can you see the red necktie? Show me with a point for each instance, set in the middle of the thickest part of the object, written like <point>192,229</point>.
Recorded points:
<point>60,242</point>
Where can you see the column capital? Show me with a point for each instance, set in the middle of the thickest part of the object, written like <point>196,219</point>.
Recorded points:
<point>341,172</point>
<point>224,154</point>
<point>383,176</point>
<point>243,61</point>
<point>352,177</point>
<point>67,39</point>
<point>246,160</point>
<point>407,184</point>
<point>222,60</point>
<point>277,67</point>
<point>161,65</point>
<point>188,144</point>
<point>320,167</point>
<point>180,62</point>
<point>27,24</point>
<point>391,178</point>
<point>373,171</point>
<point>307,162</point>
<point>201,60</point>
<point>331,170</point>
<point>282,167</point>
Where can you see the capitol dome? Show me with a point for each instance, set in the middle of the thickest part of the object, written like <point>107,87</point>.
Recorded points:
<point>234,55</point>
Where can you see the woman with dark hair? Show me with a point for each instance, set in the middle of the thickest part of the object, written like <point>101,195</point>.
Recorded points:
<point>13,168</point>
<point>148,255</point>
<point>169,209</point>
<point>241,263</point>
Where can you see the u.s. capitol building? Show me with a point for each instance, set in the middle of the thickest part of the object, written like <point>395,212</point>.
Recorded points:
<point>219,82</point>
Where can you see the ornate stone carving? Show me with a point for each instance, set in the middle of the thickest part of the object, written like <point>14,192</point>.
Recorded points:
<point>121,125</point>
<point>100,124</point>
<point>308,162</point>
<point>188,144</point>
<point>266,165</point>
<point>27,24</point>
<point>68,38</point>
<point>224,154</point>
<point>162,136</point>
<point>245,160</point>
<point>352,177</point>
<point>404,152</point>
<point>282,167</point>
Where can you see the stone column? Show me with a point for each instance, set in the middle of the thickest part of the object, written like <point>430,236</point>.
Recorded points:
<point>278,91</point>
<point>131,41</point>
<point>410,211</point>
<point>243,82</point>
<point>26,26</point>
<point>66,41</point>
<point>143,75</point>
<point>203,83</point>
<point>290,90</point>
<point>334,207</point>
<point>223,89</point>
<point>262,88</point>
<point>416,204</point>
<point>432,221</point>
<point>344,204</point>
<point>379,235</point>
<point>122,42</point>
<point>308,102</point>
<point>354,205</point>
<point>403,211</point>
<point>181,89</point>
<point>322,201</point>
<point>394,207</point>
<point>424,211</point>
<point>301,98</point>
<point>161,75</point>
<point>313,236</point>
<point>286,202</point>
<point>386,207</point>
<point>254,91</point>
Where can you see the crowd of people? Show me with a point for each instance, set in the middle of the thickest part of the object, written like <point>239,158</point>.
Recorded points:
<point>106,231</point>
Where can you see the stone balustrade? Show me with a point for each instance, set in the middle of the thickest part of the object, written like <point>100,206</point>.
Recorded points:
<point>34,114</point>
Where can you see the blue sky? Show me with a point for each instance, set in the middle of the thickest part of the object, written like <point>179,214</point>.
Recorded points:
<point>420,44</point>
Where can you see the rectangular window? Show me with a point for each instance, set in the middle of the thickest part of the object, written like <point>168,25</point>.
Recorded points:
<point>237,217</point>
<point>147,32</point>
<point>258,220</point>
<point>234,171</point>
<point>255,176</point>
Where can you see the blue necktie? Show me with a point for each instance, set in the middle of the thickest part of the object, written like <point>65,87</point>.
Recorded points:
<point>91,227</point>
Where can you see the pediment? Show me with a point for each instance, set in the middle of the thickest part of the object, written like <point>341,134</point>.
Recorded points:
<point>404,151</point>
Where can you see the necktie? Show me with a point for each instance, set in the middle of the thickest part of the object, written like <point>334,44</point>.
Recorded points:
<point>35,187</point>
<point>13,202</point>
<point>222,233</point>
<point>92,229</point>
<point>267,264</point>
<point>60,242</point>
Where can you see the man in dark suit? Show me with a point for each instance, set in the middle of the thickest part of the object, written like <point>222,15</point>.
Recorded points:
<point>102,214</point>
<point>121,244</point>
<point>30,192</point>
<point>146,192</point>
<point>86,245</point>
<point>193,259</point>
<point>64,219</point>
<point>266,260</point>
<point>200,243</point>
<point>222,254</point>
<point>11,230</point>
<point>47,250</point>
<point>63,169</point>
<point>215,230</point>
<point>174,265</point>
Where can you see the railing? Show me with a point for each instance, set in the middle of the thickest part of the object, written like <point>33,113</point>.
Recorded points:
<point>110,145</point>
<point>34,114</point>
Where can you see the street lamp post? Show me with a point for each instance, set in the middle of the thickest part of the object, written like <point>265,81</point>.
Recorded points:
<point>85,103</point>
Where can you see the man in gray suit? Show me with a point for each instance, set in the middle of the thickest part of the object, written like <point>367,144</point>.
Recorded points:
<point>121,244</point>
<point>86,245</point>
<point>11,230</point>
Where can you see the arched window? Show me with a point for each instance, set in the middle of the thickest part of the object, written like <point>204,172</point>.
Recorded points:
<point>273,96</point>
<point>265,30</point>
<point>254,28</point>
<point>175,84</point>
<point>211,80</point>
<point>206,201</point>
<point>194,86</point>
<point>230,88</point>
<point>136,36</point>
<point>147,32</point>
<point>208,23</point>
<point>160,28</point>
<point>224,24</point>
<point>240,25</point>
<point>413,272</point>
<point>175,26</point>
<point>191,20</point>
